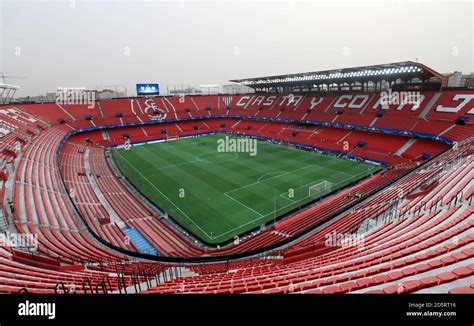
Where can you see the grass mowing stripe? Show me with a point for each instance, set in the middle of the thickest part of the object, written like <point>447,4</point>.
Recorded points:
<point>218,202</point>
<point>163,195</point>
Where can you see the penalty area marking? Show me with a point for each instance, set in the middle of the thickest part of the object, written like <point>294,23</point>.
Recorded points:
<point>269,173</point>
<point>280,174</point>
<point>279,209</point>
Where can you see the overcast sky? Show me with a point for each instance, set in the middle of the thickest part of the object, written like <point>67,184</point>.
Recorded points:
<point>95,43</point>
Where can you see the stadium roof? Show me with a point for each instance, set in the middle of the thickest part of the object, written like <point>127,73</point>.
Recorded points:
<point>8,86</point>
<point>389,71</point>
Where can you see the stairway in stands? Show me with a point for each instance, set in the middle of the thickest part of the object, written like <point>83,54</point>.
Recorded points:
<point>139,241</point>
<point>428,107</point>
<point>406,146</point>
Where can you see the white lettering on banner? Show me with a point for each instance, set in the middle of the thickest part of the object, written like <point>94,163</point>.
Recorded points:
<point>242,101</point>
<point>362,100</point>
<point>315,102</point>
<point>290,100</point>
<point>351,102</point>
<point>465,98</point>
<point>340,105</point>
<point>258,100</point>
<point>381,103</point>
<point>270,100</point>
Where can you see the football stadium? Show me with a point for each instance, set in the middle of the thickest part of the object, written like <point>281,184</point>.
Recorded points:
<point>352,179</point>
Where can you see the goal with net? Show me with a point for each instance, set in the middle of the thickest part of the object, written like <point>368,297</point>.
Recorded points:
<point>319,189</point>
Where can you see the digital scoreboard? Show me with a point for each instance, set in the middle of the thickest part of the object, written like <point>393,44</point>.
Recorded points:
<point>148,89</point>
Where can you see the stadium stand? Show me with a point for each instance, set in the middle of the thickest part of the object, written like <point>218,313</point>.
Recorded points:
<point>413,220</point>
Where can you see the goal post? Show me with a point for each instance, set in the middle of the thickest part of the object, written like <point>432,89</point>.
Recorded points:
<point>319,189</point>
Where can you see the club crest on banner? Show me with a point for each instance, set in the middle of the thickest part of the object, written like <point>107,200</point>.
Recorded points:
<point>153,111</point>
<point>227,100</point>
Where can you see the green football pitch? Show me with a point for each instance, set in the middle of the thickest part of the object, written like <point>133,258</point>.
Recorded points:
<point>217,195</point>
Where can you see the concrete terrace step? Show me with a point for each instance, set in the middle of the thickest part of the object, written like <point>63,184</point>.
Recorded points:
<point>405,147</point>
<point>428,107</point>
